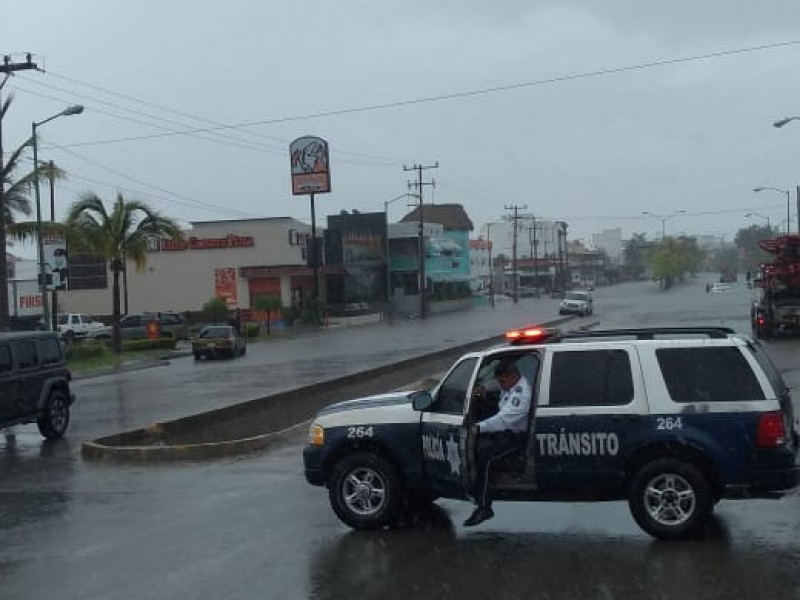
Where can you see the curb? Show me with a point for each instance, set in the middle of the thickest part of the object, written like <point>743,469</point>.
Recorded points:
<point>134,366</point>
<point>98,450</point>
<point>218,433</point>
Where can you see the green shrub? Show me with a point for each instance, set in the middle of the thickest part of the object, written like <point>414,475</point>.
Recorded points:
<point>252,330</point>
<point>86,349</point>
<point>163,343</point>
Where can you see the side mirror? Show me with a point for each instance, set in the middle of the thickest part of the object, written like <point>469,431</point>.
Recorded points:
<point>421,401</point>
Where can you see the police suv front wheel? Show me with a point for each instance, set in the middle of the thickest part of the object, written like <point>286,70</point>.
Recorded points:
<point>670,499</point>
<point>365,491</point>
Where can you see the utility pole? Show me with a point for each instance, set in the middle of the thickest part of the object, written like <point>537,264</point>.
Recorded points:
<point>516,208</point>
<point>534,252</point>
<point>8,68</point>
<point>419,185</point>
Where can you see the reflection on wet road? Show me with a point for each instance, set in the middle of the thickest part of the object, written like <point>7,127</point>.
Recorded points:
<point>252,528</point>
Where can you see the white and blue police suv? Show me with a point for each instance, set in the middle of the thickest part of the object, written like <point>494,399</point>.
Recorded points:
<point>671,420</point>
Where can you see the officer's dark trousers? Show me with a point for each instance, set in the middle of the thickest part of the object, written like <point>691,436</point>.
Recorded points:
<point>491,448</point>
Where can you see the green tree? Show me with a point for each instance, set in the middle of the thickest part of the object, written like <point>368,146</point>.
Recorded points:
<point>118,235</point>
<point>674,258</point>
<point>637,251</point>
<point>267,304</point>
<point>725,259</point>
<point>746,241</point>
<point>216,310</point>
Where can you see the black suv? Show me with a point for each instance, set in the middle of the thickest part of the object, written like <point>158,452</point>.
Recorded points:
<point>34,383</point>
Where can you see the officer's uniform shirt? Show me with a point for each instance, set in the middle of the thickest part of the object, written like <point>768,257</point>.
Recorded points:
<point>512,410</point>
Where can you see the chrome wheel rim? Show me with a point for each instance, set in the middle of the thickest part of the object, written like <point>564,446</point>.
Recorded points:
<point>670,499</point>
<point>58,414</point>
<point>364,491</point>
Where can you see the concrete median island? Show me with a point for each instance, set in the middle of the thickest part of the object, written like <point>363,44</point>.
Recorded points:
<point>254,425</point>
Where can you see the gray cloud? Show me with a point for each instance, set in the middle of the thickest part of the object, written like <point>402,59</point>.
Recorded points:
<point>693,136</point>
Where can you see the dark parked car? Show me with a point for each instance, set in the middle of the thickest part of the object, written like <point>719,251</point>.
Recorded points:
<point>134,327</point>
<point>34,382</point>
<point>218,340</point>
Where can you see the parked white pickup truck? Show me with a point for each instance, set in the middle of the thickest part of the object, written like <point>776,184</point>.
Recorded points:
<point>75,326</point>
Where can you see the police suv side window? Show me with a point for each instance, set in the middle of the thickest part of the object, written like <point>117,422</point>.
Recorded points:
<point>718,374</point>
<point>452,394</point>
<point>591,378</point>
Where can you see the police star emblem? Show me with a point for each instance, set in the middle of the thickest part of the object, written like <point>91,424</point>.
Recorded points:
<point>453,457</point>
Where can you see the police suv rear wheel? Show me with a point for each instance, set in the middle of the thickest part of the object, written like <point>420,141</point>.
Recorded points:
<point>365,491</point>
<point>670,499</point>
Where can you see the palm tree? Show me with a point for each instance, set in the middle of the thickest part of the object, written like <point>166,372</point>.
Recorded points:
<point>118,235</point>
<point>16,199</point>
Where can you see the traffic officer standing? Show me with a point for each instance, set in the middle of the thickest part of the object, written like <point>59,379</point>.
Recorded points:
<point>494,439</point>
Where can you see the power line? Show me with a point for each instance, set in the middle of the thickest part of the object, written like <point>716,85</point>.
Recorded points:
<point>175,195</point>
<point>168,201</point>
<point>236,142</point>
<point>162,107</point>
<point>457,95</point>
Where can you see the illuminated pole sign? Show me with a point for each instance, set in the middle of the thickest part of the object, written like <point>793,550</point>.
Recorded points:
<point>310,166</point>
<point>311,175</point>
<point>55,262</point>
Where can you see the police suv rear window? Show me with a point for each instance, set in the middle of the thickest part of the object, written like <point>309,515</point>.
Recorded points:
<point>719,374</point>
<point>5,359</point>
<point>591,378</point>
<point>775,379</point>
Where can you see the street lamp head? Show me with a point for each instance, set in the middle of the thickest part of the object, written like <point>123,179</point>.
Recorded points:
<point>759,189</point>
<point>75,109</point>
<point>785,121</point>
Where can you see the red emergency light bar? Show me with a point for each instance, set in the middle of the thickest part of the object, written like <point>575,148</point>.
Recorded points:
<point>529,335</point>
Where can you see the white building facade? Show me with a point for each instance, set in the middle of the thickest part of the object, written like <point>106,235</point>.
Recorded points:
<point>233,260</point>
<point>609,241</point>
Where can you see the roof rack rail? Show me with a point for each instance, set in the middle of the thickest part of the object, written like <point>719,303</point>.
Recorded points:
<point>649,333</point>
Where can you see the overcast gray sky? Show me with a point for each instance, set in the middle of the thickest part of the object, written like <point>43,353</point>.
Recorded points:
<point>595,151</point>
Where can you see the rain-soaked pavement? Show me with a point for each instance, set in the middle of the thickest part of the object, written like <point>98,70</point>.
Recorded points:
<point>252,528</point>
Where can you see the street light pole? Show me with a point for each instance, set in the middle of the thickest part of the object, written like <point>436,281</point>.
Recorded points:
<point>788,194</point>
<point>778,124</point>
<point>664,219</point>
<point>71,110</point>
<point>766,218</point>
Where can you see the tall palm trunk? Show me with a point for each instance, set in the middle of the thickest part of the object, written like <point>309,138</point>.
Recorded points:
<point>115,314</point>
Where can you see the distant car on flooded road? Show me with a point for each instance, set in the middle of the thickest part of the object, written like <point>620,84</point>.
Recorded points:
<point>217,341</point>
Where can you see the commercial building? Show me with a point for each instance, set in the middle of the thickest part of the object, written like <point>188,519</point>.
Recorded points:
<point>235,260</point>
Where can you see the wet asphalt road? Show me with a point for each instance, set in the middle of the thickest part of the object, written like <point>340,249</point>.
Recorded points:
<point>125,401</point>
<point>252,528</point>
